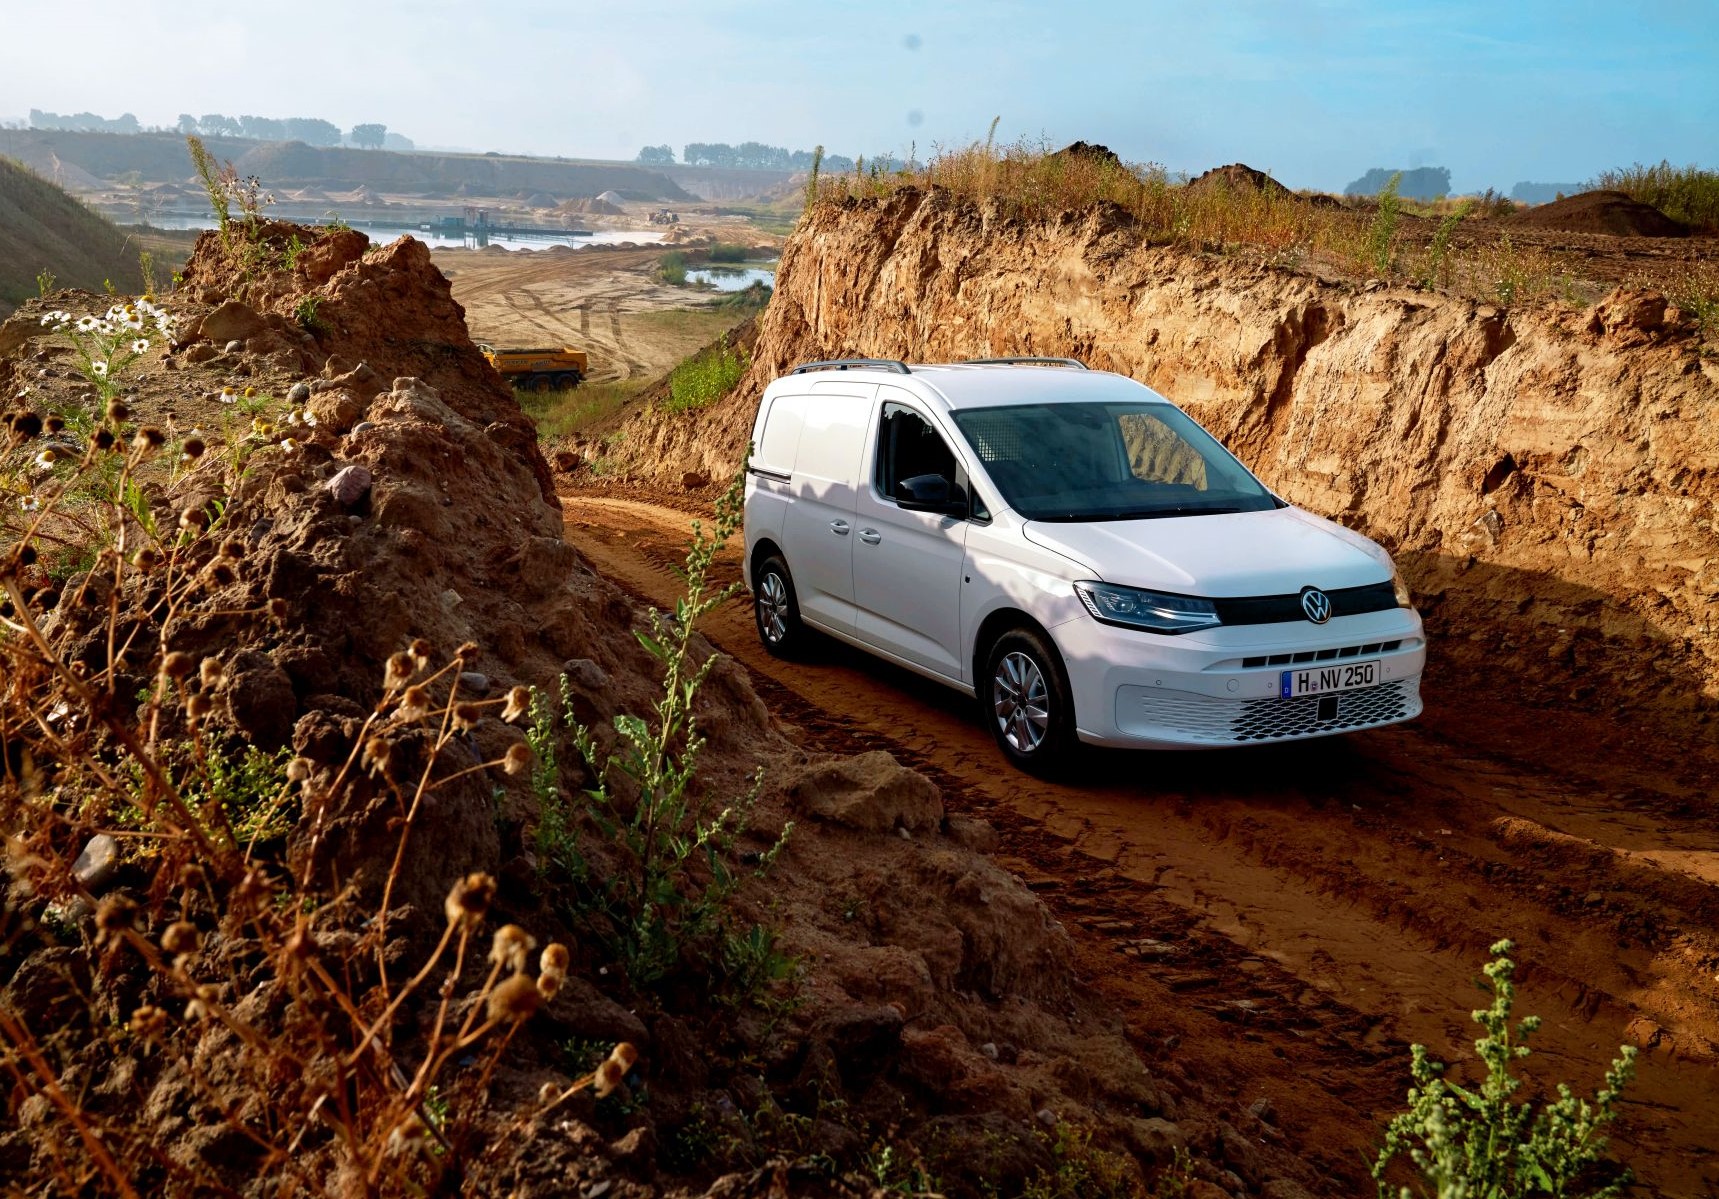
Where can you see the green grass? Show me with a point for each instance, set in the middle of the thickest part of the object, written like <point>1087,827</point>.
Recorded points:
<point>560,413</point>
<point>1688,194</point>
<point>724,252</point>
<point>705,378</point>
<point>671,268</point>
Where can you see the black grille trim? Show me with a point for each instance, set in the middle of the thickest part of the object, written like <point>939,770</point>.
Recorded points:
<point>1321,655</point>
<point>1283,609</point>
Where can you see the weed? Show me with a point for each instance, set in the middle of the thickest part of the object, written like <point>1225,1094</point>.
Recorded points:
<point>290,252</point>
<point>812,178</point>
<point>705,378</point>
<point>213,186</point>
<point>1080,1170</point>
<point>146,269</point>
<point>1383,231</point>
<point>44,283</point>
<point>671,268</point>
<point>1688,194</point>
<point>1479,1142</point>
<point>1437,267</point>
<point>724,252</point>
<point>305,314</point>
<point>672,893</point>
<point>900,1172</point>
<point>559,413</point>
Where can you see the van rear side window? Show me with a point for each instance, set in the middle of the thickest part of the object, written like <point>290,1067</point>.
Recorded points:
<point>781,438</point>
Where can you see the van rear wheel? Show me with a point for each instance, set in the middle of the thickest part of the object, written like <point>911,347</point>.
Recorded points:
<point>1026,702</point>
<point>777,609</point>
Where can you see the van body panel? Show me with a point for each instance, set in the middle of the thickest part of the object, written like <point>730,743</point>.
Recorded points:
<point>817,527</point>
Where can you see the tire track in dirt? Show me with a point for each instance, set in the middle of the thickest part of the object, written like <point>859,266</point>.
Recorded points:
<point>1296,913</point>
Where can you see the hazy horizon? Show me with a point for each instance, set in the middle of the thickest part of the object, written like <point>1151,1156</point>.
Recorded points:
<point>1541,91</point>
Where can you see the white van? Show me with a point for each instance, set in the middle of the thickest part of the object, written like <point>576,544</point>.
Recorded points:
<point>1072,549</point>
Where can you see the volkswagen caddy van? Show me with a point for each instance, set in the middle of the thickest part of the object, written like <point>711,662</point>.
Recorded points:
<point>1073,550</point>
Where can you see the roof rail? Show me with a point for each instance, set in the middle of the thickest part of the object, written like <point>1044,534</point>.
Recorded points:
<point>842,364</point>
<point>1074,362</point>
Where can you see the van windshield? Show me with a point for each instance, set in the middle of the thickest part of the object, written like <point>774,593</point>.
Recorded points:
<point>1120,461</point>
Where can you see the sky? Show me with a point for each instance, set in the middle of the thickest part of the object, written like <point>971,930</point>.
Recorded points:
<point>1313,91</point>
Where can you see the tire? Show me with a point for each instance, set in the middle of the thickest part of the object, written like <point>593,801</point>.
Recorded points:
<point>1024,700</point>
<point>776,610</point>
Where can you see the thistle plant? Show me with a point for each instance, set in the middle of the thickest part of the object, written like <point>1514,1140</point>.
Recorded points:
<point>1479,1143</point>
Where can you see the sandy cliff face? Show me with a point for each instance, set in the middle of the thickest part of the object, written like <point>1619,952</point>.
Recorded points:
<point>1547,477</point>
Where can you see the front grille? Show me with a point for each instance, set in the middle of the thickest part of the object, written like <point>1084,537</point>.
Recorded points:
<point>1281,609</point>
<point>1321,655</point>
<point>1182,716</point>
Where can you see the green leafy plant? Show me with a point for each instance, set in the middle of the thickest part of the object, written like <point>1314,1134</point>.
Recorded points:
<point>1081,1170</point>
<point>812,178</point>
<point>210,175</point>
<point>671,268</point>
<point>1479,1142</point>
<point>305,314</point>
<point>1437,269</point>
<point>706,377</point>
<point>45,282</point>
<point>1384,228</point>
<point>671,894</point>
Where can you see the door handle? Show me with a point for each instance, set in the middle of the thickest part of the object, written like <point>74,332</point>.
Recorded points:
<point>839,528</point>
<point>870,536</point>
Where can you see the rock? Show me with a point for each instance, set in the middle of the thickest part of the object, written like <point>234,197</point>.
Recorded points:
<point>863,1040</point>
<point>973,833</point>
<point>350,484</point>
<point>231,322</point>
<point>1046,1117</point>
<point>474,683</point>
<point>260,698</point>
<point>566,461</point>
<point>694,480</point>
<point>1199,1188</point>
<point>872,792</point>
<point>363,426</point>
<point>586,674</point>
<point>1284,1188</point>
<point>98,863</point>
<point>581,1009</point>
<point>299,392</point>
<point>234,347</point>
<point>336,410</point>
<point>1156,1140</point>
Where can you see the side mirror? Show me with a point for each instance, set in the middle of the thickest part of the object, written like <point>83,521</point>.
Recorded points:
<point>931,493</point>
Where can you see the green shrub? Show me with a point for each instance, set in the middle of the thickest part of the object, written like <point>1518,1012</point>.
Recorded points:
<point>723,252</point>
<point>1479,1144</point>
<point>1688,194</point>
<point>706,377</point>
<point>1384,228</point>
<point>671,268</point>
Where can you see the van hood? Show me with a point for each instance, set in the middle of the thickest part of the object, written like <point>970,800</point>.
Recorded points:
<point>1276,552</point>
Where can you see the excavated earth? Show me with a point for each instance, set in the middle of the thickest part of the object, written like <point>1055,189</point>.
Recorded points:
<point>942,1009</point>
<point>1281,923</point>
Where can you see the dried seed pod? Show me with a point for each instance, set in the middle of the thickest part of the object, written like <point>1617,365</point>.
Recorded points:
<point>177,665</point>
<point>198,706</point>
<point>414,703</point>
<point>202,1005</point>
<point>469,900</point>
<point>510,947</point>
<point>549,985</point>
<point>467,653</point>
<point>219,573</point>
<point>514,998</point>
<point>148,1023</point>
<point>517,760</point>
<point>193,448</point>
<point>298,770</point>
<point>377,751</point>
<point>607,1077</point>
<point>518,704</point>
<point>25,425</point>
<point>554,958</point>
<point>194,520</point>
<point>398,671</point>
<point>146,559</point>
<point>149,437</point>
<point>181,937</point>
<point>420,651</point>
<point>233,548</point>
<point>466,716</point>
<point>114,914</point>
<point>103,439</point>
<point>54,424</point>
<point>117,411</point>
<point>209,671</point>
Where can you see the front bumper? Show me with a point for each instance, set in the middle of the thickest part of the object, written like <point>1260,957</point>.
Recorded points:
<point>1221,686</point>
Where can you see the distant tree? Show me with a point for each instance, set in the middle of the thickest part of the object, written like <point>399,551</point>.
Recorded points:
<point>656,156</point>
<point>1422,183</point>
<point>262,129</point>
<point>370,137</point>
<point>213,124</point>
<point>312,132</point>
<point>187,123</point>
<point>398,142</point>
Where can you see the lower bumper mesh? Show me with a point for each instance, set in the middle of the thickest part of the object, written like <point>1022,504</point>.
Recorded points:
<point>1181,716</point>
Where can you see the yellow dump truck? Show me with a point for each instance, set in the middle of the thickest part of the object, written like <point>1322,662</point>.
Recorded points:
<point>554,369</point>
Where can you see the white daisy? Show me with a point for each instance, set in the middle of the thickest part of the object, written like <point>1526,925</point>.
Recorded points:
<point>139,346</point>
<point>309,418</point>
<point>289,445</point>
<point>98,368</point>
<point>45,461</point>
<point>229,396</point>
<point>29,503</point>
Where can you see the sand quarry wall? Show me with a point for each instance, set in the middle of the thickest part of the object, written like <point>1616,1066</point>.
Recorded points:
<point>1546,476</point>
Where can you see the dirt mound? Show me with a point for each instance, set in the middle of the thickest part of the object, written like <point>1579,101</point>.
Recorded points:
<point>1610,212</point>
<point>44,229</point>
<point>593,204</point>
<point>1091,152</point>
<point>1239,175</point>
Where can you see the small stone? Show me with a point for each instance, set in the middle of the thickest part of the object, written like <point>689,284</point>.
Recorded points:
<point>452,599</point>
<point>1046,1117</point>
<point>1593,897</point>
<point>98,862</point>
<point>474,682</point>
<point>1262,1110</point>
<point>234,347</point>
<point>361,426</point>
<point>585,674</point>
<point>905,835</point>
<point>350,483</point>
<point>989,1049</point>
<point>299,392</point>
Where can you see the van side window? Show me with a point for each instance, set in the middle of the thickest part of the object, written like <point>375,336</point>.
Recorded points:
<point>907,446</point>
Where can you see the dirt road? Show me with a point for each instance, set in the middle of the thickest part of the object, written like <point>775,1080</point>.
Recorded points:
<point>608,303</point>
<point>1279,923</point>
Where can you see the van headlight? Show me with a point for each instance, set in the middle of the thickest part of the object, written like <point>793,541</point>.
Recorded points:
<point>1400,585</point>
<point>1153,611</point>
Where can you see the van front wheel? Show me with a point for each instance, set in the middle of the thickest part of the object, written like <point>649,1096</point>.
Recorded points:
<point>1026,703</point>
<point>777,609</point>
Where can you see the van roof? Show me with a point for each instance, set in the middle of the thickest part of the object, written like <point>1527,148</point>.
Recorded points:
<point>985,385</point>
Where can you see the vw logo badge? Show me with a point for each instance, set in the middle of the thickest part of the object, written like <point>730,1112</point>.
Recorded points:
<point>1316,604</point>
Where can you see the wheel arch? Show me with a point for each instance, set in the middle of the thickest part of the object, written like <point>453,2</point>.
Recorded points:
<point>1004,620</point>
<point>765,548</point>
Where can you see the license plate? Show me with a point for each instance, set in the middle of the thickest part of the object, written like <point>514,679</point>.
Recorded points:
<point>1324,680</point>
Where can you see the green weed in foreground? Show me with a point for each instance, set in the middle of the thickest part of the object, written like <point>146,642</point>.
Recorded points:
<point>706,377</point>
<point>671,268</point>
<point>1477,1143</point>
<point>559,413</point>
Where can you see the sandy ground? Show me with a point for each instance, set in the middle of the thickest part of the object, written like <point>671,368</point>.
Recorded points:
<point>608,303</point>
<point>1280,922</point>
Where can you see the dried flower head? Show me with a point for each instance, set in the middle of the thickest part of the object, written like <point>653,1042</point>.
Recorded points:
<point>192,449</point>
<point>148,1023</point>
<point>408,1136</point>
<point>219,573</point>
<point>233,548</point>
<point>466,716</point>
<point>117,411</point>
<point>177,665</point>
<point>209,671</point>
<point>420,651</point>
<point>203,999</point>
<point>414,703</point>
<point>181,937</point>
<point>198,706</point>
<point>54,424</point>
<point>554,958</point>
<point>549,985</point>
<point>377,751</point>
<point>298,770</point>
<point>146,559</point>
<point>148,438</point>
<point>510,947</point>
<point>398,672</point>
<point>103,439</point>
<point>517,760</point>
<point>606,1077</point>
<point>514,998</point>
<point>467,653</point>
<point>113,915</point>
<point>277,610</point>
<point>469,900</point>
<point>194,519</point>
<point>518,704</point>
